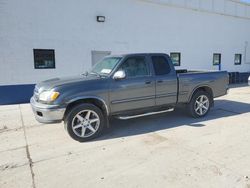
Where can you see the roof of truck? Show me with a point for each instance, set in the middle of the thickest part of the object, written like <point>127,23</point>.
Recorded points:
<point>135,54</point>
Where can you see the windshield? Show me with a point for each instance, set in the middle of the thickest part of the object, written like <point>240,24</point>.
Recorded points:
<point>105,66</point>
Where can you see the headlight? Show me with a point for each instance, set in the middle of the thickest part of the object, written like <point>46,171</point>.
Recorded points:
<point>48,96</point>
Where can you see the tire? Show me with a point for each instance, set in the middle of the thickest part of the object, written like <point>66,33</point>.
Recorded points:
<point>84,122</point>
<point>200,104</point>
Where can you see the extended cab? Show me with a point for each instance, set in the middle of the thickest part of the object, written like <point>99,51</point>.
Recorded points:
<point>125,86</point>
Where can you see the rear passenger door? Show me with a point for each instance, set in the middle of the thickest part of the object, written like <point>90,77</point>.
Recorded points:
<point>166,81</point>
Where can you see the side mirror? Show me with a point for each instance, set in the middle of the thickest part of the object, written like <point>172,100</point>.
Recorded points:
<point>119,75</point>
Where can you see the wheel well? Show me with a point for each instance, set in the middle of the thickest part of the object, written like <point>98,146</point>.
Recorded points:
<point>204,88</point>
<point>93,101</point>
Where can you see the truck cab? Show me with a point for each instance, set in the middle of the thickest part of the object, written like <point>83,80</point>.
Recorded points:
<point>148,81</point>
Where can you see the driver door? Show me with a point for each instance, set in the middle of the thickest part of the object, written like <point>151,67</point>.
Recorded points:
<point>136,90</point>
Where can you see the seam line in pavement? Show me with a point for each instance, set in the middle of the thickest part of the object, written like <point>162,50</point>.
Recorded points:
<point>27,151</point>
<point>8,130</point>
<point>12,149</point>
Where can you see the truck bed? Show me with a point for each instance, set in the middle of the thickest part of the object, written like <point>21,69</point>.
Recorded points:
<point>183,71</point>
<point>191,79</point>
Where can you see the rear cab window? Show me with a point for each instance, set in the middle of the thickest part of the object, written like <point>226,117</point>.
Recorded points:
<point>161,65</point>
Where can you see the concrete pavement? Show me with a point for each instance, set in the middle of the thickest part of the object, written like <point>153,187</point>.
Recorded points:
<point>167,150</point>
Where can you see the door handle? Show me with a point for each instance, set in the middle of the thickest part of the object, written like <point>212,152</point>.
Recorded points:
<point>147,82</point>
<point>159,81</point>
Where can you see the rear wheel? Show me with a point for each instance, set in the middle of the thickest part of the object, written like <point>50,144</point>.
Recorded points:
<point>200,104</point>
<point>84,122</point>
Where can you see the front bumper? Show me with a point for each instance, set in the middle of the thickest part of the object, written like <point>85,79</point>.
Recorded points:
<point>47,113</point>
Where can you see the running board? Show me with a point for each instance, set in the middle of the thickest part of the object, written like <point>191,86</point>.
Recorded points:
<point>146,114</point>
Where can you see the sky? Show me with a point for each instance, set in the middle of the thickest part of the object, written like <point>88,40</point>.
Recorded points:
<point>247,1</point>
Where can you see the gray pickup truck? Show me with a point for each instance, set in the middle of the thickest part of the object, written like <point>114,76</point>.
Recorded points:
<point>124,86</point>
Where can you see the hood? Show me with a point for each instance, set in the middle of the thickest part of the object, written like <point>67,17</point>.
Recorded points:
<point>55,82</point>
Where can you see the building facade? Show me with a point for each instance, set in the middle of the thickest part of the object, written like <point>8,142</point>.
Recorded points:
<point>45,39</point>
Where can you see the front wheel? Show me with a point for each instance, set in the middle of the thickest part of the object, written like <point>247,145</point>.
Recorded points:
<point>200,104</point>
<point>84,122</point>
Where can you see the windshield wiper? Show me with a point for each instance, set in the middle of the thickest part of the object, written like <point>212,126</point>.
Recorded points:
<point>85,74</point>
<point>96,73</point>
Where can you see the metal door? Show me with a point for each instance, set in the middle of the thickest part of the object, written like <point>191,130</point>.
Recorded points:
<point>98,55</point>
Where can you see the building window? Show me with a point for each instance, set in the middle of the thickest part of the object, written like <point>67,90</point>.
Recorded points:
<point>176,58</point>
<point>217,59</point>
<point>44,59</point>
<point>237,59</point>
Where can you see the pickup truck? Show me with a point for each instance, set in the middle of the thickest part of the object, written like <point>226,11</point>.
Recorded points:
<point>124,86</point>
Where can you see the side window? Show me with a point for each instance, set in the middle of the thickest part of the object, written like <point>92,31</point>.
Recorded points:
<point>135,66</point>
<point>161,65</point>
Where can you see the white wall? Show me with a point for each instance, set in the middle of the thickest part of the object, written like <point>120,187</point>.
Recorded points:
<point>196,28</point>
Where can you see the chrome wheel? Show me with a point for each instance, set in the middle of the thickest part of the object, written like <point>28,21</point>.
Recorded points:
<point>201,105</point>
<point>85,123</point>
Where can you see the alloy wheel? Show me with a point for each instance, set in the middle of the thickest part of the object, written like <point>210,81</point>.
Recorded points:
<point>85,123</point>
<point>201,105</point>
